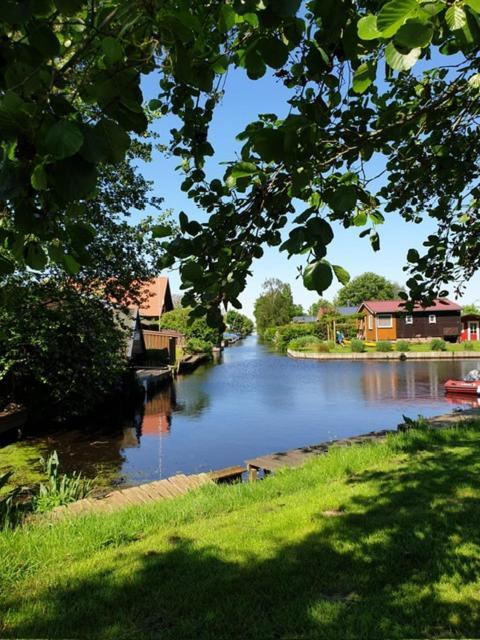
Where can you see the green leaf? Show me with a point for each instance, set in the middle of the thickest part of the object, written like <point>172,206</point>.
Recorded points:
<point>38,179</point>
<point>63,140</point>
<point>414,33</point>
<point>227,18</point>
<point>320,229</point>
<point>243,170</point>
<point>363,77</point>
<point>474,81</point>
<point>192,271</point>
<point>254,64</point>
<point>341,274</point>
<point>455,17</point>
<point>401,61</point>
<point>285,8</point>
<point>273,51</point>
<point>44,40</point>
<point>344,198</point>
<point>106,142</point>
<point>35,256</point>
<point>155,104</point>
<point>112,50</point>
<point>6,265</point>
<point>71,265</point>
<point>269,144</point>
<point>161,231</point>
<point>367,28</point>
<point>318,276</point>
<point>413,255</point>
<point>73,179</point>
<point>393,14</point>
<point>69,7</point>
<point>360,219</point>
<point>473,4</point>
<point>220,64</point>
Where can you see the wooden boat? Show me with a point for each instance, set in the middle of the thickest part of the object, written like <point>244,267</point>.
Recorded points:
<point>462,386</point>
<point>12,418</point>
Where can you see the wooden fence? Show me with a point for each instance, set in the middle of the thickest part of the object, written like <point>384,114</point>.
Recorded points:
<point>161,348</point>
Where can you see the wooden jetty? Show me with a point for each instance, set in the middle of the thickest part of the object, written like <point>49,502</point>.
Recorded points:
<point>296,457</point>
<point>152,377</point>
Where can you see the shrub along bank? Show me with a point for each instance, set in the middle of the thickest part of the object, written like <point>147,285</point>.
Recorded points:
<point>377,540</point>
<point>311,343</point>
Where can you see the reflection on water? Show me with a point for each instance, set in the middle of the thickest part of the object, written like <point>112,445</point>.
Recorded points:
<point>257,402</point>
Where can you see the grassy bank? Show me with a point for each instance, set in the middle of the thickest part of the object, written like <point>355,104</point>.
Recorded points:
<point>372,541</point>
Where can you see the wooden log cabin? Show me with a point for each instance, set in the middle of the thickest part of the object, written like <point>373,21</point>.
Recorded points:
<point>388,320</point>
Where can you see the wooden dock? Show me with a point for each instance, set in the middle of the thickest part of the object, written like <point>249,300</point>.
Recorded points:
<point>145,493</point>
<point>296,457</point>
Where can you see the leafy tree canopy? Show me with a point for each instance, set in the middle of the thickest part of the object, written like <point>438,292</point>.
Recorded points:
<point>399,78</point>
<point>367,286</point>
<point>275,306</point>
<point>238,323</point>
<point>470,308</point>
<point>182,320</point>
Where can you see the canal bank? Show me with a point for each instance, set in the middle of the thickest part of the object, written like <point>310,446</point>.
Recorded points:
<point>389,355</point>
<point>251,403</point>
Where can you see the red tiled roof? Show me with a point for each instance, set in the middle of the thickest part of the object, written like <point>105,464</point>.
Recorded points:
<point>156,296</point>
<point>398,306</point>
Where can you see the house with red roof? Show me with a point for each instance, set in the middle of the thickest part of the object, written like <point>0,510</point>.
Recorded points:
<point>389,320</point>
<point>156,298</point>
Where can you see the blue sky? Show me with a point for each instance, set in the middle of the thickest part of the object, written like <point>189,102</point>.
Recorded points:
<point>243,101</point>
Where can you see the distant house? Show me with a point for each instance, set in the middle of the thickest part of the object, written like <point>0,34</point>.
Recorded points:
<point>470,327</point>
<point>388,320</point>
<point>156,298</point>
<point>304,319</point>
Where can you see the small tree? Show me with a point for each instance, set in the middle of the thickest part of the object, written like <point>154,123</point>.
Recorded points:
<point>275,306</point>
<point>180,319</point>
<point>325,305</point>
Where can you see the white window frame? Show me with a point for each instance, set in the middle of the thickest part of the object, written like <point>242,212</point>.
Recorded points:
<point>409,319</point>
<point>385,316</point>
<point>370,322</point>
<point>432,318</point>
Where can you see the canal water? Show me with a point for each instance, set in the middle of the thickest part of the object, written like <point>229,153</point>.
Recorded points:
<point>252,403</point>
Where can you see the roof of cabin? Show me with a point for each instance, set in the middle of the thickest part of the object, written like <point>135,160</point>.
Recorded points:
<point>398,306</point>
<point>346,311</point>
<point>157,297</point>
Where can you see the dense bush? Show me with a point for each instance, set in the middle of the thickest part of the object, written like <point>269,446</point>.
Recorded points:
<point>402,345</point>
<point>196,345</point>
<point>384,346</point>
<point>238,323</point>
<point>303,343</point>
<point>321,347</point>
<point>61,352</point>
<point>269,334</point>
<point>468,345</point>
<point>179,320</point>
<point>357,346</point>
<point>437,344</point>
<point>288,332</point>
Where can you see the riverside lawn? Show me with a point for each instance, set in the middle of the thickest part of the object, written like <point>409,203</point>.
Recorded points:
<point>369,541</point>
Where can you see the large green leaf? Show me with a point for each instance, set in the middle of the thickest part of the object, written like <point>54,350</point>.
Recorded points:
<point>112,50</point>
<point>73,179</point>
<point>455,17</point>
<point>401,61</point>
<point>35,256</point>
<point>274,52</point>
<point>318,276</point>
<point>367,28</point>
<point>44,40</point>
<point>6,265</point>
<point>320,229</point>
<point>242,170</point>
<point>285,8</point>
<point>344,198</point>
<point>38,179</point>
<point>393,14</point>
<point>473,4</point>
<point>69,7</point>
<point>192,271</point>
<point>414,33</point>
<point>63,140</point>
<point>106,142</point>
<point>363,77</point>
<point>341,274</point>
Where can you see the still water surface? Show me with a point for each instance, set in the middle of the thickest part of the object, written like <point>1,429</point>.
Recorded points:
<point>255,402</point>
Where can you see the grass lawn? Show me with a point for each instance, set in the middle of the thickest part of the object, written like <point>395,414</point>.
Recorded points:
<point>373,541</point>
<point>421,347</point>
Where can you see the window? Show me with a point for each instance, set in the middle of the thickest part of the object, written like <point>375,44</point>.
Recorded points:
<point>370,322</point>
<point>408,319</point>
<point>432,318</point>
<point>384,321</point>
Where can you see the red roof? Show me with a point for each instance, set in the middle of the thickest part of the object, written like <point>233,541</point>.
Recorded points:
<point>398,306</point>
<point>156,297</point>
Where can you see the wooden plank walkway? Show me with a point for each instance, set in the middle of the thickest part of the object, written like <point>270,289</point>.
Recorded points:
<point>142,494</point>
<point>297,457</point>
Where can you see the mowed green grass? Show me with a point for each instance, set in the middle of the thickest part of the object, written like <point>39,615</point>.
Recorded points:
<point>372,541</point>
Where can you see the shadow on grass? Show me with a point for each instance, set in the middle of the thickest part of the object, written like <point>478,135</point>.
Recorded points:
<point>402,563</point>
